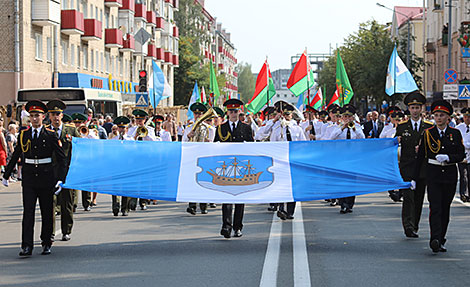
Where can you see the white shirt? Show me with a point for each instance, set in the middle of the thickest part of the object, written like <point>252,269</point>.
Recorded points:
<point>462,127</point>
<point>34,129</point>
<point>150,135</point>
<point>327,129</point>
<point>264,132</point>
<point>231,125</point>
<point>317,125</point>
<point>388,131</point>
<point>165,136</point>
<point>125,137</point>
<point>211,131</point>
<point>413,123</point>
<point>279,132</point>
<point>338,134</point>
<point>59,130</point>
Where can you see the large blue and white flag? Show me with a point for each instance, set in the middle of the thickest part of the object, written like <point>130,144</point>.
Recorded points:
<point>192,100</point>
<point>399,78</point>
<point>235,172</point>
<point>159,84</point>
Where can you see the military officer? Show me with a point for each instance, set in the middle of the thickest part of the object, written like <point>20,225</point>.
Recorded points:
<point>66,119</point>
<point>160,134</point>
<point>464,167</point>
<point>347,129</point>
<point>64,132</point>
<point>264,132</point>
<point>409,133</point>
<point>441,148</point>
<point>311,126</point>
<point>122,123</point>
<point>41,150</point>
<point>233,131</point>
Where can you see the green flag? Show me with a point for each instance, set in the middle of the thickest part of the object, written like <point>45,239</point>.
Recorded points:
<point>342,82</point>
<point>213,86</point>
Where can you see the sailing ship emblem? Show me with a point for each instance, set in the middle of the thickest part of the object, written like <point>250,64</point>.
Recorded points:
<point>235,174</point>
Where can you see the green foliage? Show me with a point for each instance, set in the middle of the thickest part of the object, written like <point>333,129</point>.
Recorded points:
<point>365,55</point>
<point>246,82</point>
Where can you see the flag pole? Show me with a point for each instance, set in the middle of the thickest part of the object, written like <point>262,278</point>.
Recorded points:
<point>308,76</point>
<point>267,79</point>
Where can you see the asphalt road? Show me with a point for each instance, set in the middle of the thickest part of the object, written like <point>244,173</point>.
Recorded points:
<point>165,246</point>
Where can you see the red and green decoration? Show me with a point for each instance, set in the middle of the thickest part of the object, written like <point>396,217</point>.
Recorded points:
<point>264,90</point>
<point>464,39</point>
<point>301,78</point>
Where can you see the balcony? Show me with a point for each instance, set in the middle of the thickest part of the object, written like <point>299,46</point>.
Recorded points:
<point>113,38</point>
<point>128,44</point>
<point>151,19</point>
<point>128,5</point>
<point>151,52</point>
<point>113,3</point>
<point>169,2</point>
<point>176,33</point>
<point>235,74</point>
<point>176,61</point>
<point>430,47</point>
<point>92,30</point>
<point>221,49</point>
<point>221,66</point>
<point>176,5</point>
<point>160,24</point>
<point>160,55</point>
<point>140,12</point>
<point>71,22</point>
<point>45,12</point>
<point>168,58</point>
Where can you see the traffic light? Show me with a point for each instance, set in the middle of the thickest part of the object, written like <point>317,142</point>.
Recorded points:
<point>142,81</point>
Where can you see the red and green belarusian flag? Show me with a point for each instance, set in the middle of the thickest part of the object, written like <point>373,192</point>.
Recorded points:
<point>264,90</point>
<point>317,101</point>
<point>301,78</point>
<point>345,91</point>
<point>334,99</point>
<point>202,97</point>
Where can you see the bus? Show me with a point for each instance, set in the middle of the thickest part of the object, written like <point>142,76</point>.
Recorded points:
<point>103,102</point>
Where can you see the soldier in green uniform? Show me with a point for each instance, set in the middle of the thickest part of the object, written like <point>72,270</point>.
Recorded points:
<point>64,132</point>
<point>409,133</point>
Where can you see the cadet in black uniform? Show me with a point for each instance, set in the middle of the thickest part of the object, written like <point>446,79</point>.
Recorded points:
<point>409,133</point>
<point>40,150</point>
<point>233,131</point>
<point>441,148</point>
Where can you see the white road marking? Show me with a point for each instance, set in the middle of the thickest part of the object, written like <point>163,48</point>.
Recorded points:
<point>271,261</point>
<point>301,267</point>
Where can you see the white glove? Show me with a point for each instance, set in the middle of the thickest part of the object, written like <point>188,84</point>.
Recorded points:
<point>5,182</point>
<point>413,185</point>
<point>442,158</point>
<point>59,187</point>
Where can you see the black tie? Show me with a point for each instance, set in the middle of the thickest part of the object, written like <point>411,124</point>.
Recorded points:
<point>467,130</point>
<point>312,131</point>
<point>416,127</point>
<point>57,131</point>
<point>158,134</point>
<point>35,136</point>
<point>233,127</point>
<point>121,137</point>
<point>288,135</point>
<point>442,134</point>
<point>348,134</point>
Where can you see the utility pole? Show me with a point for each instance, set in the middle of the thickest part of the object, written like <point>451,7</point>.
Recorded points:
<point>449,37</point>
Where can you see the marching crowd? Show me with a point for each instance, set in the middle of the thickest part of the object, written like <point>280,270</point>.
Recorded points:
<point>432,145</point>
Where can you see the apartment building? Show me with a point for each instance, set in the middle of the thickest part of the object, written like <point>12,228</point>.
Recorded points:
<point>85,44</point>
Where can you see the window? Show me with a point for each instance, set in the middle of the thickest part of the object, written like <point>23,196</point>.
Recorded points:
<point>101,15</point>
<point>72,55</point>
<point>96,13</point>
<point>102,62</point>
<point>38,46</point>
<point>85,9</point>
<point>65,4</point>
<point>97,58</point>
<point>106,58</point>
<point>49,49</point>
<point>121,67</point>
<point>106,19</point>
<point>92,62</point>
<point>78,56</point>
<point>85,57</point>
<point>65,53</point>
<point>112,65</point>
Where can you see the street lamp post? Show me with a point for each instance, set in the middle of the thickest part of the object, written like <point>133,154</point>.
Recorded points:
<point>409,33</point>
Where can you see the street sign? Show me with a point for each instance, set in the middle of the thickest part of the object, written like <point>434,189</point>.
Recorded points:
<point>464,92</point>
<point>450,88</point>
<point>142,36</point>
<point>450,76</point>
<point>142,100</point>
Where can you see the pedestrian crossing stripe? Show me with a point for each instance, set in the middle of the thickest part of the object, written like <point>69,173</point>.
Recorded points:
<point>141,101</point>
<point>465,93</point>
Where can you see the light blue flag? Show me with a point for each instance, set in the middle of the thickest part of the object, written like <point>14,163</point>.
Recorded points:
<point>399,78</point>
<point>261,172</point>
<point>192,100</point>
<point>161,88</point>
<point>300,102</point>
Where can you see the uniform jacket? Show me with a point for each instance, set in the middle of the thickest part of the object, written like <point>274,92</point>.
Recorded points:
<point>242,133</point>
<point>431,145</point>
<point>409,141</point>
<point>47,145</point>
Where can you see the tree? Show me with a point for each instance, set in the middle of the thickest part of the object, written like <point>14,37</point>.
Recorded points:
<point>246,82</point>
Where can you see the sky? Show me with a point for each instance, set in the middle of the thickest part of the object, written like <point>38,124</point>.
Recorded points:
<point>280,29</point>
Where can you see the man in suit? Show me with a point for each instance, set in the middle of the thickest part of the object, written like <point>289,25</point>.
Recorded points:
<point>233,130</point>
<point>40,150</point>
<point>409,133</point>
<point>440,148</point>
<point>65,133</point>
<point>464,167</point>
<point>374,127</point>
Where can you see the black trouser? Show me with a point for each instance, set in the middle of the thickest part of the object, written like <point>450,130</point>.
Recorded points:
<point>133,202</point>
<point>464,183</point>
<point>193,205</point>
<point>237,216</point>
<point>180,138</point>
<point>122,205</point>
<point>347,202</point>
<point>65,202</point>
<point>290,207</point>
<point>413,206</point>
<point>86,199</point>
<point>440,196</point>
<point>30,197</point>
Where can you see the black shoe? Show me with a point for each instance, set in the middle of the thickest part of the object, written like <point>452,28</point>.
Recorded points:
<point>463,198</point>
<point>93,204</point>
<point>27,251</point>
<point>52,238</point>
<point>87,208</point>
<point>115,212</point>
<point>435,245</point>
<point>74,209</point>
<point>191,210</point>
<point>342,210</point>
<point>212,205</point>
<point>46,250</point>
<point>204,211</point>
<point>143,207</point>
<point>125,213</point>
<point>281,214</point>
<point>237,233</point>
<point>349,210</point>
<point>272,208</point>
<point>411,234</point>
<point>442,248</point>
<point>289,217</point>
<point>333,202</point>
<point>225,232</point>
<point>66,237</point>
